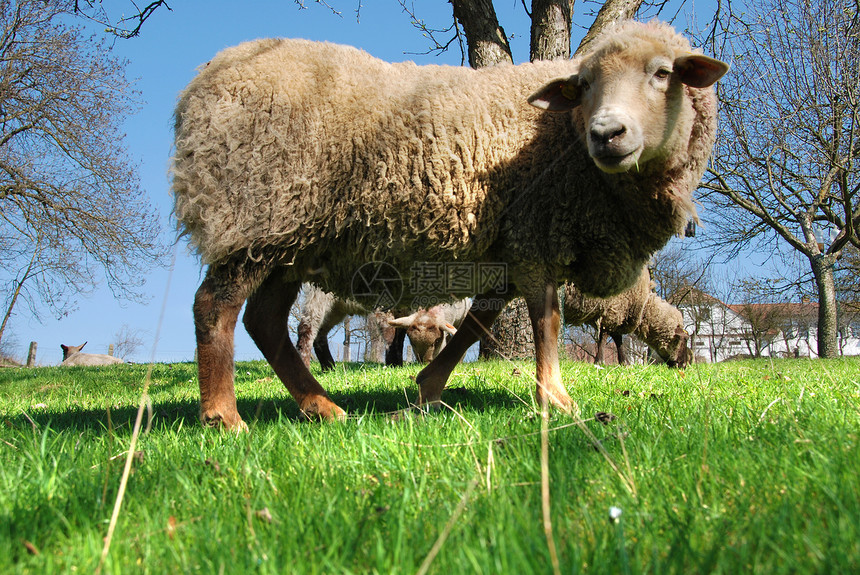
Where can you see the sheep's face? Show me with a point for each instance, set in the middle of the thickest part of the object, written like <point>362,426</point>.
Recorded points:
<point>426,337</point>
<point>678,354</point>
<point>629,101</point>
<point>426,332</point>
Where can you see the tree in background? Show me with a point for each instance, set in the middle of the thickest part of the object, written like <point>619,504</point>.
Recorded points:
<point>790,139</point>
<point>71,209</point>
<point>765,319</point>
<point>118,20</point>
<point>127,341</point>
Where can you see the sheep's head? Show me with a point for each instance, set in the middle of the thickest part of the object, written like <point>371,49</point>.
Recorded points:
<point>426,333</point>
<point>628,94</point>
<point>71,349</point>
<point>677,352</point>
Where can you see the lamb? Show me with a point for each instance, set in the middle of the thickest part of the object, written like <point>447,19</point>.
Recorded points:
<point>302,161</point>
<point>320,313</point>
<point>639,311</point>
<point>72,356</point>
<point>426,329</point>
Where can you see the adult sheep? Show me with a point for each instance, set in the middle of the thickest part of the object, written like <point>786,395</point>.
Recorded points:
<point>300,161</point>
<point>637,310</point>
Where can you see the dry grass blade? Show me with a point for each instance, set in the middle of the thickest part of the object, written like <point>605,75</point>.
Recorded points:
<point>145,403</point>
<point>544,489</point>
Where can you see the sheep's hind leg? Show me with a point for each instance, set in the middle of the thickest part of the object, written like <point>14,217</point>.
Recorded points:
<point>432,379</point>
<point>265,318</point>
<point>216,308</point>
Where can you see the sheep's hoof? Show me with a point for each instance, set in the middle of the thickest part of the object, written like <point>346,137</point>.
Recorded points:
<point>565,404</point>
<point>430,406</point>
<point>320,407</point>
<point>232,422</point>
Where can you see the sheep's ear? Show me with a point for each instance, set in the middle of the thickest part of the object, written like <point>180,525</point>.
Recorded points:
<point>699,71</point>
<point>65,348</point>
<point>449,329</point>
<point>560,95</point>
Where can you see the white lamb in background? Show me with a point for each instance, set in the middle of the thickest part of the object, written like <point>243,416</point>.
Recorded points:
<point>72,356</point>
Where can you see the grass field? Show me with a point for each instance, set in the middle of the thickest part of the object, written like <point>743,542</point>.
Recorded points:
<point>744,467</point>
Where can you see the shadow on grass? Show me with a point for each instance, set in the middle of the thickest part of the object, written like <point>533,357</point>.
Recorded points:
<point>264,410</point>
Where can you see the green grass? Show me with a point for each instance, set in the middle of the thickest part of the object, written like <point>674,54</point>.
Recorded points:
<point>746,467</point>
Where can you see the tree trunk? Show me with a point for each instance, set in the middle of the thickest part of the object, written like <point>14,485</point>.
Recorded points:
<point>822,269</point>
<point>511,335</point>
<point>486,39</point>
<point>551,21</point>
<point>17,292</point>
<point>612,11</point>
<point>347,340</point>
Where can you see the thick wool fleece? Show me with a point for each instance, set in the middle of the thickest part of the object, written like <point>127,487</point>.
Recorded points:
<point>321,157</point>
<point>638,311</point>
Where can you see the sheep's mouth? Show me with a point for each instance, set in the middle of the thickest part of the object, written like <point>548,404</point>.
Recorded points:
<point>614,163</point>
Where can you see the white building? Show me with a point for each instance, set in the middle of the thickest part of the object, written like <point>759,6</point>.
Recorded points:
<point>720,331</point>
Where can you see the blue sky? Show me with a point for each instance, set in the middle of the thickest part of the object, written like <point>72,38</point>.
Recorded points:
<point>163,60</point>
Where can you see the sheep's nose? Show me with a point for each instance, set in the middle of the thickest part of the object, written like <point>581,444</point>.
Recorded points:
<point>605,130</point>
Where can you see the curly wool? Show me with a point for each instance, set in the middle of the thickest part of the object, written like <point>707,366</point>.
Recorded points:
<point>320,156</point>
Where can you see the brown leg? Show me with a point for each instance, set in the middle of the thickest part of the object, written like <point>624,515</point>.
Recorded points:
<point>431,380</point>
<point>265,319</point>
<point>546,322</point>
<point>216,307</point>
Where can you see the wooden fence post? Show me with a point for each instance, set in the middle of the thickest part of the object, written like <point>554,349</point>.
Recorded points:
<point>31,357</point>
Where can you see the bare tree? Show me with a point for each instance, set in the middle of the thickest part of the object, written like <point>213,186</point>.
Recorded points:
<point>127,341</point>
<point>71,209</point>
<point>122,21</point>
<point>848,279</point>
<point>764,317</point>
<point>790,139</point>
<point>677,269</point>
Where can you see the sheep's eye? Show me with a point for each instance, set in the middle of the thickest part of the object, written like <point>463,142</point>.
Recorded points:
<point>662,73</point>
<point>583,83</point>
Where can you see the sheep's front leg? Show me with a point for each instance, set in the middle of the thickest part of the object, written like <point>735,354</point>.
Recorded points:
<point>432,379</point>
<point>216,308</point>
<point>546,323</point>
<point>266,317</point>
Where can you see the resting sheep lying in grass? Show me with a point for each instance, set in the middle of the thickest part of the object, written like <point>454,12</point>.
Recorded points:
<point>300,161</point>
<point>72,356</point>
<point>638,311</point>
<point>427,330</point>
